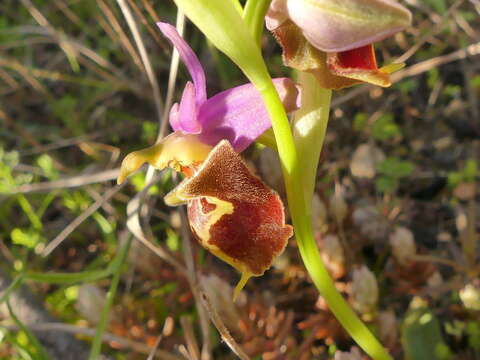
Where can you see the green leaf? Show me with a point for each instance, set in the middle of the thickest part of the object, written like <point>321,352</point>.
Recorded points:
<point>46,164</point>
<point>437,5</point>
<point>27,238</point>
<point>407,85</point>
<point>385,128</point>
<point>475,81</point>
<point>386,184</point>
<point>149,131</point>
<point>421,336</point>
<point>138,181</point>
<point>452,91</point>
<point>173,241</point>
<point>359,121</point>
<point>454,178</point>
<point>432,77</point>
<point>470,170</point>
<point>473,331</point>
<point>36,350</point>
<point>396,168</point>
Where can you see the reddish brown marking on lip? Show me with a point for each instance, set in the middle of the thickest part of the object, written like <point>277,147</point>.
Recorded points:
<point>206,206</point>
<point>360,58</point>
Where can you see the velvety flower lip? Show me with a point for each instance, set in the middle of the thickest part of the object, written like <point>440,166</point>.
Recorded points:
<point>232,213</point>
<point>237,114</point>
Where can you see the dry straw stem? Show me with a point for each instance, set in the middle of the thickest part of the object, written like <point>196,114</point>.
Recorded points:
<point>148,23</point>
<point>222,329</point>
<point>80,219</point>
<point>190,338</point>
<point>439,26</point>
<point>155,347</point>
<point>135,227</point>
<point>106,338</point>
<point>68,183</point>
<point>120,34</point>
<point>42,20</point>
<point>143,55</point>
<point>196,287</point>
<point>74,48</point>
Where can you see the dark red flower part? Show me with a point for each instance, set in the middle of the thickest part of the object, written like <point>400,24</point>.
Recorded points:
<point>359,58</point>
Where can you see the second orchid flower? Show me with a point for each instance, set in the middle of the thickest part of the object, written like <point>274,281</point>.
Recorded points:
<point>334,39</point>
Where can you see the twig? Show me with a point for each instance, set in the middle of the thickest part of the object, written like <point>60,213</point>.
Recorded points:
<point>144,56</point>
<point>124,40</point>
<point>439,27</point>
<point>155,347</point>
<point>106,338</point>
<point>190,339</point>
<point>195,286</point>
<point>81,218</point>
<point>71,182</point>
<point>133,224</point>
<point>147,23</point>
<point>222,329</point>
<point>433,259</point>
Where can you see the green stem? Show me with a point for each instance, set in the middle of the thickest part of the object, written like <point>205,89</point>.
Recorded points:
<point>12,287</point>
<point>254,16</point>
<point>39,352</point>
<point>303,228</point>
<point>309,128</point>
<point>102,324</point>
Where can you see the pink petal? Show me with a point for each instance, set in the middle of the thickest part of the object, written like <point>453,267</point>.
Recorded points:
<point>187,112</point>
<point>189,58</point>
<point>173,117</point>
<point>239,114</point>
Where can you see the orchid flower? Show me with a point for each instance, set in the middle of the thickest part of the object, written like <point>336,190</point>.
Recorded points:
<point>231,212</point>
<point>334,39</point>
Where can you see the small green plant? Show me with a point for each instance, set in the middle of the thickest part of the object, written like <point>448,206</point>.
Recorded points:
<point>385,128</point>
<point>467,174</point>
<point>391,171</point>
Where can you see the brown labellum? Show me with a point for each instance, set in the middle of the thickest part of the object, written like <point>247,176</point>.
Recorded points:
<point>233,213</point>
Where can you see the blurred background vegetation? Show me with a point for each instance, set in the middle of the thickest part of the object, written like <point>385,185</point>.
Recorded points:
<point>396,207</point>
